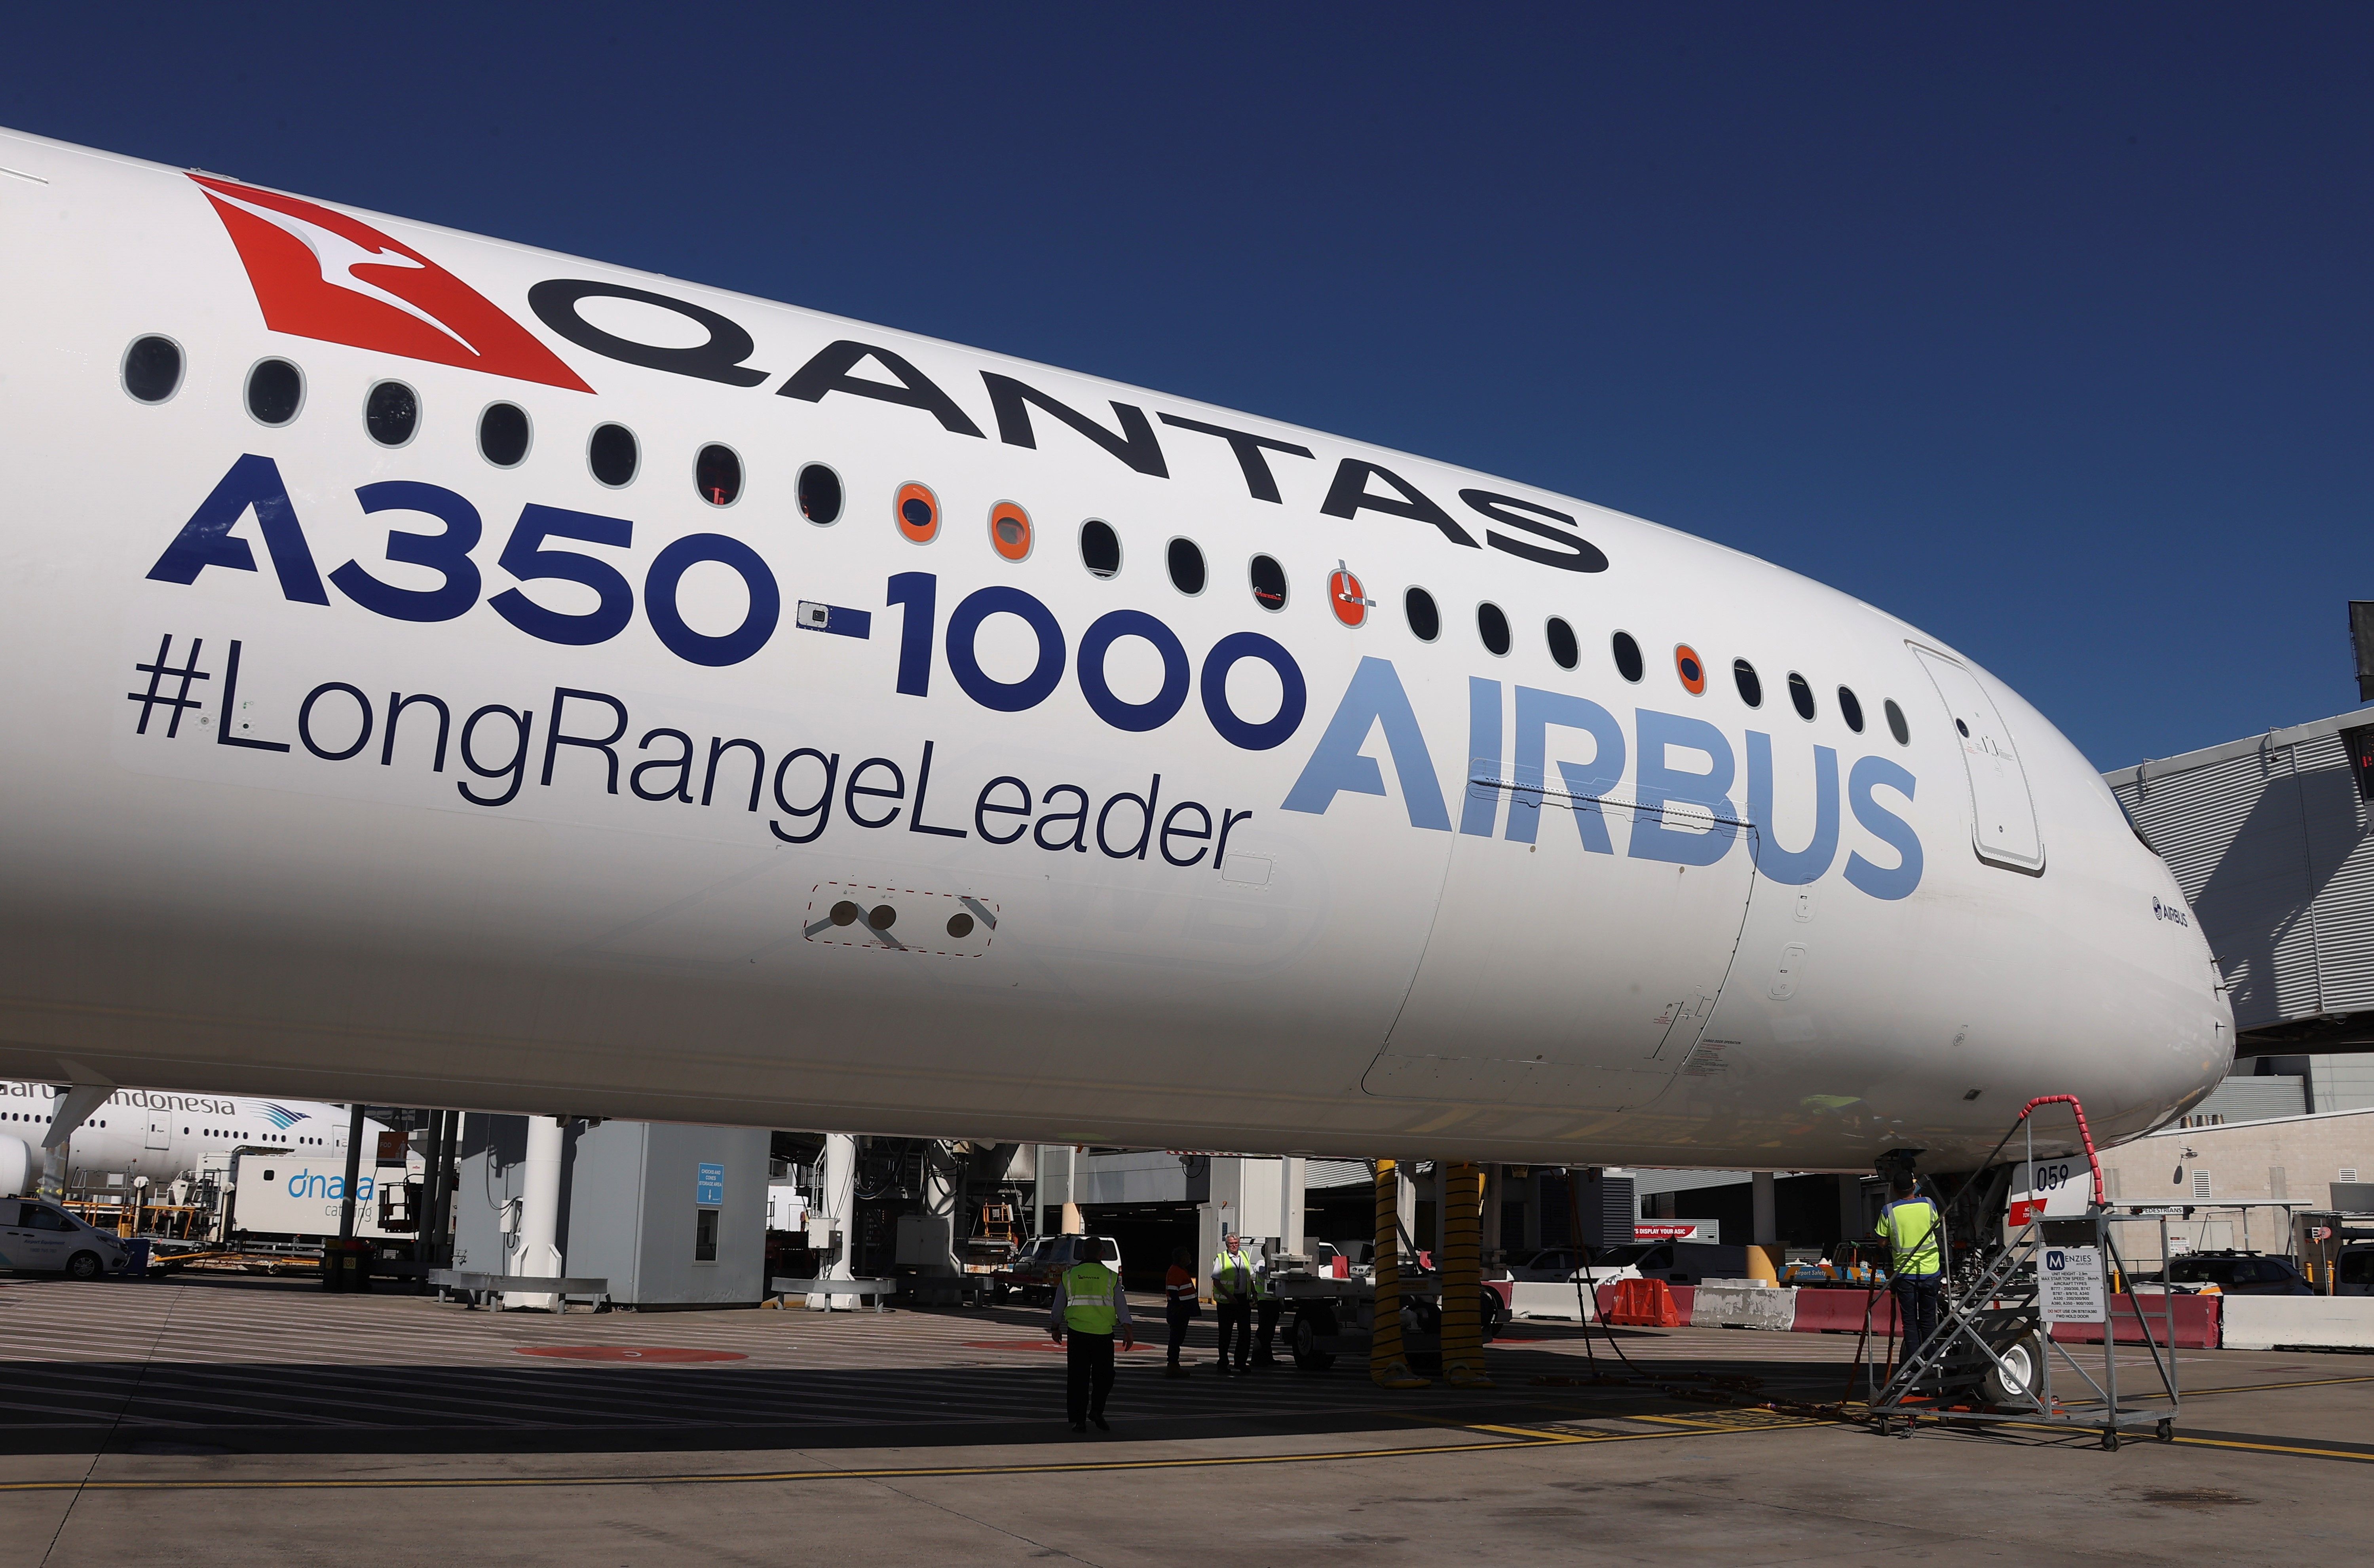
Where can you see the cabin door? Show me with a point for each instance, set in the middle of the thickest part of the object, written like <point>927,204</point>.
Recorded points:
<point>2003,815</point>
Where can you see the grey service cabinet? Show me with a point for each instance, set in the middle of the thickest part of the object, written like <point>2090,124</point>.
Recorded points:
<point>671,1215</point>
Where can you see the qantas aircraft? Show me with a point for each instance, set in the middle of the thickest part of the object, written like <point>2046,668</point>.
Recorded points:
<point>446,673</point>
<point>159,1134</point>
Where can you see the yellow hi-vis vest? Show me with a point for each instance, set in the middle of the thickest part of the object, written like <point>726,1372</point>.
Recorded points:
<point>1087,1299</point>
<point>1232,1273</point>
<point>1910,1227</point>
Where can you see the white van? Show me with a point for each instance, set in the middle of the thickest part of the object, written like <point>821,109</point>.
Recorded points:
<point>41,1238</point>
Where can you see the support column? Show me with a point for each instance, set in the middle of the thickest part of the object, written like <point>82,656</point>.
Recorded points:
<point>1496,1188</point>
<point>1388,1366</point>
<point>1462,1276</point>
<point>838,1200</point>
<point>536,1252</point>
<point>1437,1190</point>
<point>944,1200</point>
<point>1073,1225</point>
<point>1764,1255</point>
<point>425,1234</point>
<point>355,1170</point>
<point>1291,1196</point>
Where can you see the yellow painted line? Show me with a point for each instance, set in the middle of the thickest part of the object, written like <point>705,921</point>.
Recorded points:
<point>2272,1388</point>
<point>1705,1424</point>
<point>1534,1432</point>
<point>1088,1466</point>
<point>2077,1429</point>
<point>2277,1448</point>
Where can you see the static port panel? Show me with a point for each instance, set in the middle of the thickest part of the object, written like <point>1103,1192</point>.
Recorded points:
<point>900,919</point>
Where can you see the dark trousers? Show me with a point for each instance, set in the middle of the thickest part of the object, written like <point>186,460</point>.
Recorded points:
<point>1240,1314</point>
<point>1265,1313</point>
<point>1087,1374</point>
<point>1917,1299</point>
<point>1182,1313</point>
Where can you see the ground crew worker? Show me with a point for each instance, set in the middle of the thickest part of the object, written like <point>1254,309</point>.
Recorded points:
<point>1179,1306</point>
<point>1913,1230</point>
<point>1089,1305</point>
<point>1235,1282</point>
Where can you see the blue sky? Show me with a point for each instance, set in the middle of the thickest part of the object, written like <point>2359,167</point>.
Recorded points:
<point>2045,327</point>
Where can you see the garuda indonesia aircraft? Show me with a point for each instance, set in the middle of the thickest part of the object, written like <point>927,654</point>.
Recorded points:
<point>445,673</point>
<point>158,1134</point>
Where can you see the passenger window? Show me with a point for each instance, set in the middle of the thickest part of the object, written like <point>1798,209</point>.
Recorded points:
<point>1186,566</point>
<point>1563,648</point>
<point>820,495</point>
<point>917,512</point>
<point>1493,627</point>
<point>1688,665</point>
<point>503,434</point>
<point>717,475</point>
<point>1896,725</point>
<point>1627,656</point>
<point>391,413</point>
<point>1099,548</point>
<point>1744,675</point>
<point>1009,531</point>
<point>275,390</point>
<point>152,369</point>
<point>1801,696</point>
<point>612,455</point>
<point>1269,583</point>
<point>1424,620</point>
<point>1850,710</point>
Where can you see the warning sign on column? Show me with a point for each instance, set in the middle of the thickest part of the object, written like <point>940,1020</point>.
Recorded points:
<point>2070,1286</point>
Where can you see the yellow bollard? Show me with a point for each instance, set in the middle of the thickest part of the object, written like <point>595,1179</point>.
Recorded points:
<point>1388,1366</point>
<point>1463,1278</point>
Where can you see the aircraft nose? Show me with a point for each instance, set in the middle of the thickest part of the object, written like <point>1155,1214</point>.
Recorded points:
<point>2186,1041</point>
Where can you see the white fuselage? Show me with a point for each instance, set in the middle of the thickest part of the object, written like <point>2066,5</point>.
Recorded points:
<point>164,1135</point>
<point>539,793</point>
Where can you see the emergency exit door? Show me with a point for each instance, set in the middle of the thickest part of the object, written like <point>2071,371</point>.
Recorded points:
<point>2002,813</point>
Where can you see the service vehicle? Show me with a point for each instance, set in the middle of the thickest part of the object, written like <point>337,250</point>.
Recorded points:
<point>42,1238</point>
<point>1032,1275</point>
<point>1323,1317</point>
<point>2239,1273</point>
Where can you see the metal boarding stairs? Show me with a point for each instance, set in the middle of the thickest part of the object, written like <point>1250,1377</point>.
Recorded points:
<point>1993,1356</point>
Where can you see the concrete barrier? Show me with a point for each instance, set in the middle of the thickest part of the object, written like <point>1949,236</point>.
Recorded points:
<point>1730,1304</point>
<point>1544,1299</point>
<point>2196,1322</point>
<point>1833,1310</point>
<point>2317,1323</point>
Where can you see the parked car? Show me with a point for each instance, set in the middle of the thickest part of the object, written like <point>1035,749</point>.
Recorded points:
<point>38,1238</point>
<point>2353,1270</point>
<point>2238,1273</point>
<point>1032,1275</point>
